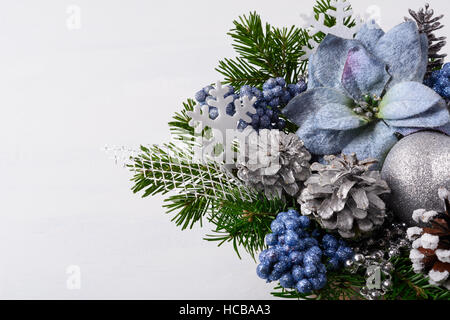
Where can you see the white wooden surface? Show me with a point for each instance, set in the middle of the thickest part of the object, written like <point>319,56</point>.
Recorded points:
<point>116,80</point>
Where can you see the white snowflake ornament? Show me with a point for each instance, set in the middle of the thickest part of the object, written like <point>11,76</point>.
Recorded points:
<point>223,129</point>
<point>342,12</point>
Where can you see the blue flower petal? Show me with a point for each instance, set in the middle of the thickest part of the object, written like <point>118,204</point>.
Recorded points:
<point>313,82</point>
<point>407,99</point>
<point>434,117</point>
<point>374,142</point>
<point>329,60</point>
<point>422,68</point>
<point>364,74</point>
<point>401,50</point>
<point>335,116</point>
<point>308,103</point>
<point>323,142</point>
<point>369,34</point>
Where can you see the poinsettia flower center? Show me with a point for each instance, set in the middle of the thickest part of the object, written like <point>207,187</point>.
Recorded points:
<point>368,107</point>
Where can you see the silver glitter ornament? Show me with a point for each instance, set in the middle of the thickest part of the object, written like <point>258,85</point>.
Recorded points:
<point>414,169</point>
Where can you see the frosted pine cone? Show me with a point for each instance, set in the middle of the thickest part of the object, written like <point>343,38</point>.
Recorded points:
<point>274,163</point>
<point>343,195</point>
<point>430,252</point>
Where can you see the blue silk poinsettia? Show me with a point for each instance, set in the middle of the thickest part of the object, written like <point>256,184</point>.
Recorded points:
<point>363,91</point>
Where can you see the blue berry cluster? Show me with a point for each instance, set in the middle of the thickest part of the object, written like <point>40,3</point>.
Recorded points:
<point>439,81</point>
<point>295,256</point>
<point>203,96</point>
<point>266,116</point>
<point>275,94</point>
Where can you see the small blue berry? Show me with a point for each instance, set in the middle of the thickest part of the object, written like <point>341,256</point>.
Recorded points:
<point>277,226</point>
<point>277,91</point>
<point>304,222</point>
<point>263,271</point>
<point>293,213</point>
<point>304,286</point>
<point>207,89</point>
<point>328,241</point>
<point>310,242</point>
<point>271,239</point>
<point>318,282</point>
<point>275,102</point>
<point>200,96</point>
<point>213,113</point>
<point>269,256</point>
<point>310,258</point>
<point>287,281</point>
<point>269,84</point>
<point>310,270</point>
<point>292,238</point>
<point>265,122</point>
<point>296,257</point>
<point>281,266</point>
<point>280,81</point>
<point>344,253</point>
<point>292,224</point>
<point>298,273</point>
<point>275,275</point>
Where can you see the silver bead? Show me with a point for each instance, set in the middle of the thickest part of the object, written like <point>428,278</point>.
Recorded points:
<point>374,294</point>
<point>386,284</point>
<point>393,252</point>
<point>375,109</point>
<point>369,114</point>
<point>358,110</point>
<point>348,263</point>
<point>388,267</point>
<point>379,254</point>
<point>359,259</point>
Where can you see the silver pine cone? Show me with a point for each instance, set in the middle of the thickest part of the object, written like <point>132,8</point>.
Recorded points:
<point>275,163</point>
<point>343,195</point>
<point>428,23</point>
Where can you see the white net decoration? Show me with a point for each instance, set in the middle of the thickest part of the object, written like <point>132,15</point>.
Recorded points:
<point>169,168</point>
<point>342,12</point>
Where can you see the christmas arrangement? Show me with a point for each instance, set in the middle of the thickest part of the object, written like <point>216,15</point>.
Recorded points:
<point>324,153</point>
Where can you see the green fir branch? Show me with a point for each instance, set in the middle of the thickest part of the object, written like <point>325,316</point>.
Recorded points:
<point>179,126</point>
<point>263,52</point>
<point>244,223</point>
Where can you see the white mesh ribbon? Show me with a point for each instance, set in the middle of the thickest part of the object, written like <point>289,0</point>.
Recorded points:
<point>173,169</point>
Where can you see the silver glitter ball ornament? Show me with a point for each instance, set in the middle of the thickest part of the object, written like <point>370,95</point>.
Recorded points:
<point>414,169</point>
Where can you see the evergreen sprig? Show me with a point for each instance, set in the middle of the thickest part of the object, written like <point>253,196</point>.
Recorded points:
<point>263,52</point>
<point>244,223</point>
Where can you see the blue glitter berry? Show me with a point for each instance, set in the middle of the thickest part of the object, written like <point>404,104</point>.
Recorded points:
<point>287,281</point>
<point>263,271</point>
<point>296,257</point>
<point>304,286</point>
<point>271,239</point>
<point>439,81</point>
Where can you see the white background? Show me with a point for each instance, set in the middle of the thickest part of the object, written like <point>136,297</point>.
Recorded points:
<point>117,80</point>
